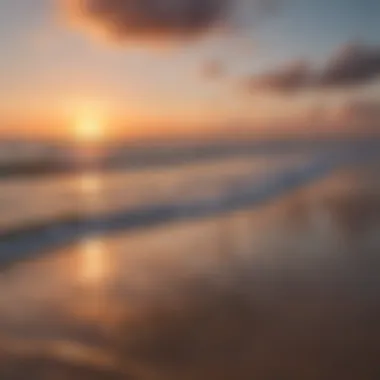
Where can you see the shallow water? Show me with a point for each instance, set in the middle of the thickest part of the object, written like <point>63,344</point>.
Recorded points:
<point>34,200</point>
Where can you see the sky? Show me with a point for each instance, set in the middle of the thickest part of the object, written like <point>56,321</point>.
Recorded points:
<point>187,66</point>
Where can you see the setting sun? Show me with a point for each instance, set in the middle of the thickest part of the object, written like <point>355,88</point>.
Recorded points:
<point>89,129</point>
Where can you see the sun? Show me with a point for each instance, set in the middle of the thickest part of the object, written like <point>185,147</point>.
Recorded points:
<point>89,128</point>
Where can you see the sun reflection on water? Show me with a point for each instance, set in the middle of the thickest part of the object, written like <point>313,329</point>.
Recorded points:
<point>90,184</point>
<point>95,264</point>
<point>91,197</point>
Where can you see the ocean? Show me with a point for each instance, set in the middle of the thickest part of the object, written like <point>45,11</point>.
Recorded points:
<point>256,265</point>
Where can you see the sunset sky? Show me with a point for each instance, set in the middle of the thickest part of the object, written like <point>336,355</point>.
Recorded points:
<point>288,64</point>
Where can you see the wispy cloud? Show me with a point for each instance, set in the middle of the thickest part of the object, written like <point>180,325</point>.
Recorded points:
<point>351,65</point>
<point>289,78</point>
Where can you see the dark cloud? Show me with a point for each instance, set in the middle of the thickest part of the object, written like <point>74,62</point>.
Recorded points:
<point>152,20</point>
<point>145,19</point>
<point>351,65</point>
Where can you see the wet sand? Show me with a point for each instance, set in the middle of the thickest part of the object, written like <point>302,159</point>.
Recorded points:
<point>287,291</point>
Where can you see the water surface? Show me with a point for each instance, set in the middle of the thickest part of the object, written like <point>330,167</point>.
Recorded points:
<point>289,290</point>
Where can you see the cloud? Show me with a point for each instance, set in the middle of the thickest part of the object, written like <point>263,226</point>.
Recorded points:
<point>152,20</point>
<point>350,65</point>
<point>287,79</point>
<point>148,19</point>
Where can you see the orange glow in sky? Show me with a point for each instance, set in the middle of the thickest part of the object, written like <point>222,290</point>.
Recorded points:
<point>88,122</point>
<point>89,128</point>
